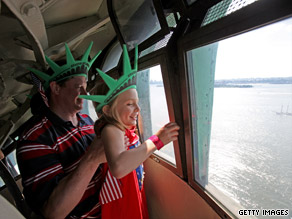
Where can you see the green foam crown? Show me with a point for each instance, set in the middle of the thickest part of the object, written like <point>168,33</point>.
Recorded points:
<point>125,82</point>
<point>71,68</point>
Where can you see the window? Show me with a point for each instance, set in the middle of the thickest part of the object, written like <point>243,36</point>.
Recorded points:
<point>89,109</point>
<point>153,103</point>
<point>112,58</point>
<point>189,2</point>
<point>11,164</point>
<point>241,106</point>
<point>146,16</point>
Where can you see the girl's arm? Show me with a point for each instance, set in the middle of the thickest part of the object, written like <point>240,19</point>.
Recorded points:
<point>122,161</point>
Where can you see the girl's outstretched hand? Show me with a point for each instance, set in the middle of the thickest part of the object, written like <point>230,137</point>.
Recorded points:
<point>168,132</point>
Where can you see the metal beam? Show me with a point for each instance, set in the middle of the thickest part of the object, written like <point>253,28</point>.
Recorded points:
<point>4,131</point>
<point>58,50</point>
<point>30,17</point>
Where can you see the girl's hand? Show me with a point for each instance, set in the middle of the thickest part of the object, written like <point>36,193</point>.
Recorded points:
<point>168,133</point>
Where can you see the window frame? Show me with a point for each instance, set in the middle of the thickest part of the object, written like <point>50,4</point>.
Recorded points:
<point>148,62</point>
<point>197,9</point>
<point>255,15</point>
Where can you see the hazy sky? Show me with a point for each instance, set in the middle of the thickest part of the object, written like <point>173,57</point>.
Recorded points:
<point>264,52</point>
<point>155,73</point>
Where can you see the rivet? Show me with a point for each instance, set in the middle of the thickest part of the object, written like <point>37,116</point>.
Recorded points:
<point>28,9</point>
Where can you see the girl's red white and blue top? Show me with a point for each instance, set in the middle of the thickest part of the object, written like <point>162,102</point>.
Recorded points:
<point>125,197</point>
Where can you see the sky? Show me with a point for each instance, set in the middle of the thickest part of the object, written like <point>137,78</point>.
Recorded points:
<point>264,52</point>
<point>261,53</point>
<point>155,73</point>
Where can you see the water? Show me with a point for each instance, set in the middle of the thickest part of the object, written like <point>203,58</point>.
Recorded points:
<point>251,146</point>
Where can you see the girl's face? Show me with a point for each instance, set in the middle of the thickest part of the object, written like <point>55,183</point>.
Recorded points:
<point>127,108</point>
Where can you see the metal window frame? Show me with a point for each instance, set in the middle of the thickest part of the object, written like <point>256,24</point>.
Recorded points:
<point>258,14</point>
<point>196,10</point>
<point>160,58</point>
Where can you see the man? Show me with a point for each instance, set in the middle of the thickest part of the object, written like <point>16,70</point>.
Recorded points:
<point>58,155</point>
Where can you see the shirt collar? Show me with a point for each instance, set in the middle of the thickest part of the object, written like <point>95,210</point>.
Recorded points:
<point>56,120</point>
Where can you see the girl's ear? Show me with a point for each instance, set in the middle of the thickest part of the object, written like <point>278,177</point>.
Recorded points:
<point>106,110</point>
<point>55,88</point>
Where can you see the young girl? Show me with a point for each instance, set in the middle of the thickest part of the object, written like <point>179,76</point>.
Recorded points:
<point>122,194</point>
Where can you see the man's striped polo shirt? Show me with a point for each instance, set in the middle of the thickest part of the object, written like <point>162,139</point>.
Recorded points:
<point>51,148</point>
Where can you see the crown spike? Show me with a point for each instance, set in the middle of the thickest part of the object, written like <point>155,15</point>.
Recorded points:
<point>87,52</point>
<point>40,74</point>
<point>107,79</point>
<point>136,59</point>
<point>94,58</point>
<point>71,68</point>
<point>54,66</point>
<point>96,98</point>
<point>126,61</point>
<point>116,87</point>
<point>69,57</point>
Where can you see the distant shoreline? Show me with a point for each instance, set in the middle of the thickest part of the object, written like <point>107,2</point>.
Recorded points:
<point>233,85</point>
<point>242,82</point>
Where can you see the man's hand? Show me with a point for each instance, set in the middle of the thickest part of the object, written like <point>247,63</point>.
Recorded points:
<point>97,148</point>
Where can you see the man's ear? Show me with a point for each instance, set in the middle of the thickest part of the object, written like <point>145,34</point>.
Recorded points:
<point>55,88</point>
<point>106,109</point>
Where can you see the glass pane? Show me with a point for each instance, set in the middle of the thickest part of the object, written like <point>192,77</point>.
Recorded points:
<point>137,21</point>
<point>241,97</point>
<point>12,164</point>
<point>89,109</point>
<point>202,80</point>
<point>153,105</point>
<point>189,2</point>
<point>112,58</point>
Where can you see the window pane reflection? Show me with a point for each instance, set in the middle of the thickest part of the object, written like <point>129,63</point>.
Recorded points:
<point>137,21</point>
<point>154,107</point>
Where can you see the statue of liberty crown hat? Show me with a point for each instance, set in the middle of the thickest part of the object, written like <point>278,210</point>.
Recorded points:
<point>116,87</point>
<point>71,68</point>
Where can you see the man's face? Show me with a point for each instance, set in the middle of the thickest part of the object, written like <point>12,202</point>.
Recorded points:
<point>69,93</point>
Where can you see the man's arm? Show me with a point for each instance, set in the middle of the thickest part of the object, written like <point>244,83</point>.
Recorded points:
<point>67,194</point>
